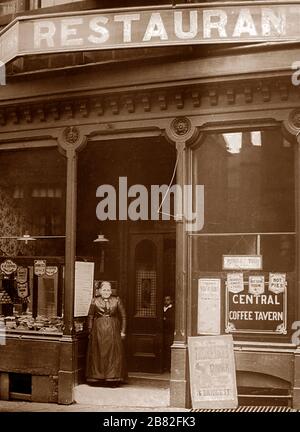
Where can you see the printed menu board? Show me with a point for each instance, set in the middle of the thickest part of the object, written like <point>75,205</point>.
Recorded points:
<point>84,281</point>
<point>212,372</point>
<point>209,306</point>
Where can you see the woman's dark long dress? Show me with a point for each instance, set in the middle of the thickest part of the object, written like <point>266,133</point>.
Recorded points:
<point>105,355</point>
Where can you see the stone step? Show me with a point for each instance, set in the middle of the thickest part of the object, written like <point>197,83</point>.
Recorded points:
<point>136,393</point>
<point>149,379</point>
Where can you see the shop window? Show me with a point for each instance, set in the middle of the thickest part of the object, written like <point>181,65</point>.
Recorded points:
<point>248,241</point>
<point>32,194</point>
<point>30,301</point>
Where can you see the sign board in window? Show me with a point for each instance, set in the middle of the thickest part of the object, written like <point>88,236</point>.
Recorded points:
<point>84,286</point>
<point>212,372</point>
<point>258,309</point>
<point>39,267</point>
<point>242,262</point>
<point>209,306</point>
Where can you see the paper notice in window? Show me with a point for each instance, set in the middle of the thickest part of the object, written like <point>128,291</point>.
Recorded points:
<point>84,280</point>
<point>209,302</point>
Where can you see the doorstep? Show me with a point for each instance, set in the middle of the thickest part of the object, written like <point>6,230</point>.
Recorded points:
<point>142,390</point>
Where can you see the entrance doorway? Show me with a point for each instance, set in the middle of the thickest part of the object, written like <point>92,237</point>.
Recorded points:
<point>139,256</point>
<point>151,278</point>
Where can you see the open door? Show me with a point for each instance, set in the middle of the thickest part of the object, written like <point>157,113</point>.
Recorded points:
<point>152,275</point>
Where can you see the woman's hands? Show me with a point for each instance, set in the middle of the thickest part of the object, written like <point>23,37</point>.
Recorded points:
<point>123,335</point>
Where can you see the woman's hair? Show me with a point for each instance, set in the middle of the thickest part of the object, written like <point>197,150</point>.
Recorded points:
<point>104,283</point>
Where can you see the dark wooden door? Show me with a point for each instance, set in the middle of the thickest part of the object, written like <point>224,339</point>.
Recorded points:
<point>151,267</point>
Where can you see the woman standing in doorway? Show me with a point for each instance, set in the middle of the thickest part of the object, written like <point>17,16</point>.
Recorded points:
<point>107,324</point>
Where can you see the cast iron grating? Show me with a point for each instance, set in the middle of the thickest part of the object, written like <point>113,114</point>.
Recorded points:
<point>248,409</point>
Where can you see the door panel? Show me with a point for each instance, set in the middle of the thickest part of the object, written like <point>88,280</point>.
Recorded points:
<point>145,301</point>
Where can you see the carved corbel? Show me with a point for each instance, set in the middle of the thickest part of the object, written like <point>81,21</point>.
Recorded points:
<point>179,100</point>
<point>162,100</point>
<point>146,103</point>
<point>83,109</point>
<point>130,105</point>
<point>97,106</point>
<point>213,97</point>
<point>248,94</point>
<point>40,112</point>
<point>196,97</point>
<point>54,111</point>
<point>230,96</point>
<point>114,105</point>
<point>67,109</point>
<point>266,93</point>
<point>27,115</point>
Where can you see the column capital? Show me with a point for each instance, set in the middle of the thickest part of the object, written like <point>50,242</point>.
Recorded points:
<point>71,140</point>
<point>181,130</point>
<point>292,124</point>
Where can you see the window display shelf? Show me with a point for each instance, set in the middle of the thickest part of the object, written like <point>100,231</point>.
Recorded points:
<point>15,333</point>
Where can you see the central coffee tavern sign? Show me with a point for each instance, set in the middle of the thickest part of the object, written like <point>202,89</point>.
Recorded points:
<point>113,29</point>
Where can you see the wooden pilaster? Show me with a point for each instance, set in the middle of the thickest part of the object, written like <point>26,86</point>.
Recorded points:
<point>180,132</point>
<point>70,141</point>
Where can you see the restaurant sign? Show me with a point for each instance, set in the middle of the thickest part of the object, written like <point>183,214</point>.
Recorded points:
<point>150,27</point>
<point>258,308</point>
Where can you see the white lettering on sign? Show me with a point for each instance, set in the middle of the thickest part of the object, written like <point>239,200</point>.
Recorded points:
<point>254,299</point>
<point>235,282</point>
<point>193,25</point>
<point>277,282</point>
<point>270,20</point>
<point>68,30</point>
<point>219,24</point>
<point>245,24</point>
<point>241,315</point>
<point>92,30</point>
<point>256,285</point>
<point>155,28</point>
<point>44,30</point>
<point>269,316</point>
<point>104,34</point>
<point>127,24</point>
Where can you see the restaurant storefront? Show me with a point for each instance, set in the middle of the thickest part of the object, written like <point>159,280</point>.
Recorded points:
<point>206,95</point>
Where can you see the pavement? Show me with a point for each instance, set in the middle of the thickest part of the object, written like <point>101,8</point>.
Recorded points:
<point>16,406</point>
<point>142,393</point>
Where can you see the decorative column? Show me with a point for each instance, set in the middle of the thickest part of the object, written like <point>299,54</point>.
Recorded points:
<point>291,128</point>
<point>70,141</point>
<point>181,132</point>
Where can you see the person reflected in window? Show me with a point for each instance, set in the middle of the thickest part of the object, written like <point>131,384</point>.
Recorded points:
<point>107,325</point>
<point>168,331</point>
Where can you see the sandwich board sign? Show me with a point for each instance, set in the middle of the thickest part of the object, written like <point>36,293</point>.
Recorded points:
<point>212,372</point>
